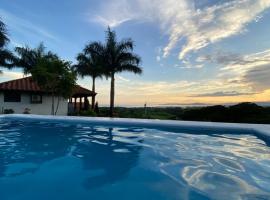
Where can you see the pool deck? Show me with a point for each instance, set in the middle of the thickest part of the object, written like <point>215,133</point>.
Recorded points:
<point>262,129</point>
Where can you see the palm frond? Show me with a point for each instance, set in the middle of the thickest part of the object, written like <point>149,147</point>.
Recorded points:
<point>40,50</point>
<point>125,45</point>
<point>6,58</point>
<point>3,34</point>
<point>130,68</point>
<point>95,48</point>
<point>28,57</point>
<point>129,57</point>
<point>90,61</point>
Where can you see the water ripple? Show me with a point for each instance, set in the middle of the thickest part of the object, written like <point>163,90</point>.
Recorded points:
<point>179,164</point>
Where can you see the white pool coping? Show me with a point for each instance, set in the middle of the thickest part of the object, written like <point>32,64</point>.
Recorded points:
<point>263,129</point>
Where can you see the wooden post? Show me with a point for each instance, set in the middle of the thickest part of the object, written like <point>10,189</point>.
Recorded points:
<point>80,103</point>
<point>75,104</point>
<point>84,103</point>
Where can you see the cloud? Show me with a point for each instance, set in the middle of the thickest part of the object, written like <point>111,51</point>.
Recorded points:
<point>220,57</point>
<point>122,79</point>
<point>221,94</point>
<point>139,91</point>
<point>252,70</point>
<point>107,22</point>
<point>178,88</point>
<point>26,27</point>
<point>188,65</point>
<point>182,20</point>
<point>258,78</point>
<point>9,75</point>
<point>113,13</point>
<point>217,22</point>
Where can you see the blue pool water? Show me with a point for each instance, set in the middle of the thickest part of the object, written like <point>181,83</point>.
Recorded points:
<point>42,160</point>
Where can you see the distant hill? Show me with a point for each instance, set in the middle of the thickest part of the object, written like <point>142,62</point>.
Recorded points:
<point>240,113</point>
<point>264,104</point>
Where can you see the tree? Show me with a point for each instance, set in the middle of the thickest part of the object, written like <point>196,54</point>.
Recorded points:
<point>28,57</point>
<point>56,77</point>
<point>116,58</point>
<point>89,64</point>
<point>51,73</point>
<point>6,57</point>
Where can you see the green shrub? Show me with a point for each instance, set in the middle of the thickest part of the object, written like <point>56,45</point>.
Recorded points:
<point>8,111</point>
<point>89,113</point>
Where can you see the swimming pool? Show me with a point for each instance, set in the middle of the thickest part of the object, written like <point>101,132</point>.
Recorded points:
<point>88,158</point>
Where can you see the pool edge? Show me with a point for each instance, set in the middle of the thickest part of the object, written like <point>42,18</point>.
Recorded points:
<point>262,129</point>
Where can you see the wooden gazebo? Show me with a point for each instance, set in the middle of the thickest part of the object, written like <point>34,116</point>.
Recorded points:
<point>79,99</point>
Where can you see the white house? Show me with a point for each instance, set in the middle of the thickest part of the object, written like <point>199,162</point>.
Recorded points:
<point>24,95</point>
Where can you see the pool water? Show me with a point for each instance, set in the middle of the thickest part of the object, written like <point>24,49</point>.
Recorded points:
<point>42,160</point>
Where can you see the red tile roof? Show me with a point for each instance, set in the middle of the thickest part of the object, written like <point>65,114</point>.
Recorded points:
<point>27,84</point>
<point>24,84</point>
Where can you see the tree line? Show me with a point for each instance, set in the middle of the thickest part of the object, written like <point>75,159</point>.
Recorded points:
<point>97,60</point>
<point>239,113</point>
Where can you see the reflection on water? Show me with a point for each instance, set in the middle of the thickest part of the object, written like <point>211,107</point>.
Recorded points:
<point>63,161</point>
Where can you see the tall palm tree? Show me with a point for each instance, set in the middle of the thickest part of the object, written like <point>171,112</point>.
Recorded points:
<point>117,57</point>
<point>89,64</point>
<point>6,57</point>
<point>28,57</point>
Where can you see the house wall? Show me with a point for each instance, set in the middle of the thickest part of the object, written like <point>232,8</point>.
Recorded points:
<point>40,109</point>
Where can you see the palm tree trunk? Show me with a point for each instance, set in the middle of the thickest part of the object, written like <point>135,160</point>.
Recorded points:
<point>112,96</point>
<point>94,90</point>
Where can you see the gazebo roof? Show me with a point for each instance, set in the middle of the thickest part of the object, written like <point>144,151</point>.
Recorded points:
<point>79,91</point>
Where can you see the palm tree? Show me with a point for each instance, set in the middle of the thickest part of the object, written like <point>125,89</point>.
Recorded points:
<point>89,64</point>
<point>117,56</point>
<point>28,57</point>
<point>6,57</point>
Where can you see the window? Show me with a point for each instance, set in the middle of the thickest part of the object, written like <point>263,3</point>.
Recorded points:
<point>36,98</point>
<point>12,96</point>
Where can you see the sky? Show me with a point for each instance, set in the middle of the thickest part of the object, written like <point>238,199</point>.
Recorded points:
<point>193,51</point>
